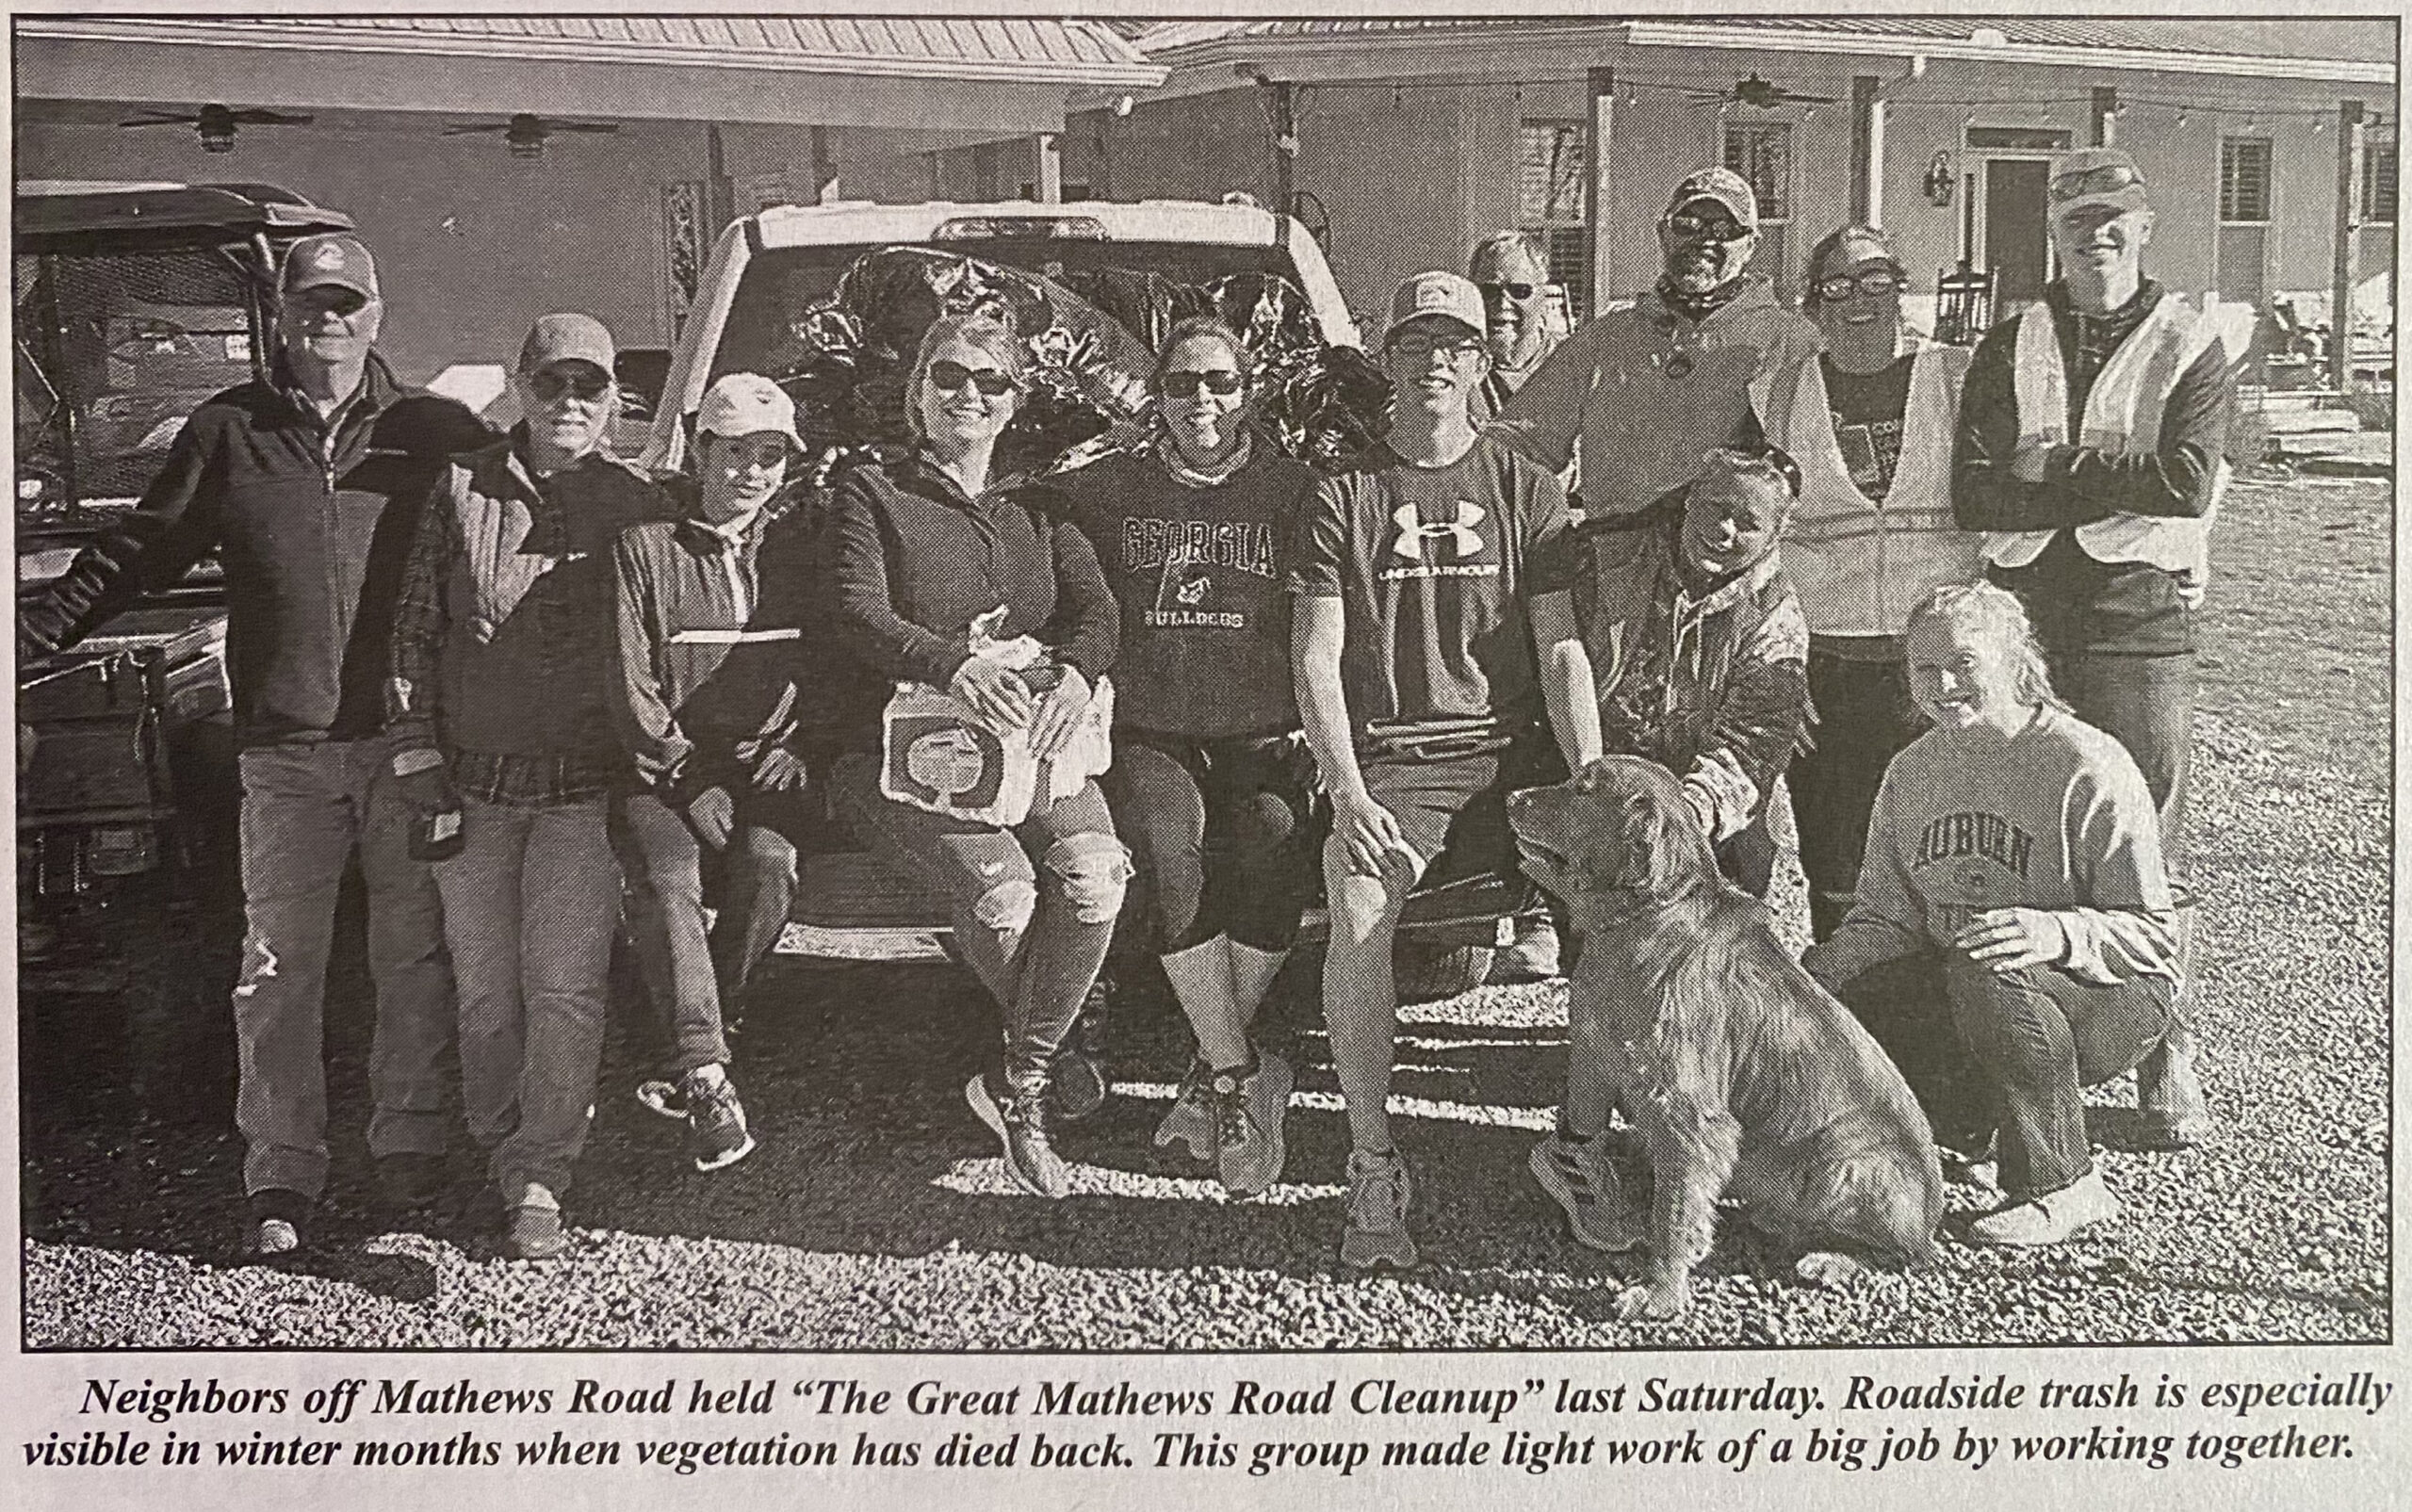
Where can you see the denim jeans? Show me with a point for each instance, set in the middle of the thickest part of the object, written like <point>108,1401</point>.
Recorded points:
<point>2009,1052</point>
<point>1865,719</point>
<point>306,809</point>
<point>1035,948</point>
<point>530,906</point>
<point>695,973</point>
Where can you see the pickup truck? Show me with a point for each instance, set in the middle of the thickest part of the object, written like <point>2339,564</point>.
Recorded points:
<point>768,268</point>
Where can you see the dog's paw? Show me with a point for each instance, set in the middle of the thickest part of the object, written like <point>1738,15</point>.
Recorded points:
<point>1655,1303</point>
<point>1826,1268</point>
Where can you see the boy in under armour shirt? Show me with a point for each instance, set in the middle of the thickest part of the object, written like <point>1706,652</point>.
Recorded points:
<point>1422,586</point>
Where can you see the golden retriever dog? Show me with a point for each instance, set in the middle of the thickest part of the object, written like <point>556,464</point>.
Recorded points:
<point>1743,1077</point>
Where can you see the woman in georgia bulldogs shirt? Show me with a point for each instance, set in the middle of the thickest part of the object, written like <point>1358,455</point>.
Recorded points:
<point>1208,781</point>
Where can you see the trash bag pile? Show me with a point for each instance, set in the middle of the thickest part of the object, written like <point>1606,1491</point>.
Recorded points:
<point>1091,339</point>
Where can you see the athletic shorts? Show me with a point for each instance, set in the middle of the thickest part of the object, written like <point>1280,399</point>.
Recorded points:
<point>1454,812</point>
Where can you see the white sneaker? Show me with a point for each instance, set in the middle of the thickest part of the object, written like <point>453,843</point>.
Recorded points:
<point>2049,1219</point>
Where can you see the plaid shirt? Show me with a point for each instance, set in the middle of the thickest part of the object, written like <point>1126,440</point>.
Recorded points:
<point>502,636</point>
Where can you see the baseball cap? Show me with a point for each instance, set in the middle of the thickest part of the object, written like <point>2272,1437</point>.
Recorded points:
<point>329,261</point>
<point>562,338</point>
<point>746,404</point>
<point>1451,295</point>
<point>1724,187</point>
<point>2096,175</point>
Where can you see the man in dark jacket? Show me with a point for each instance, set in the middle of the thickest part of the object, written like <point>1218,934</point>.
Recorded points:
<point>308,486</point>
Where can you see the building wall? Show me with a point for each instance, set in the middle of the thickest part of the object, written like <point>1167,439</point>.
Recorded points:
<point>1411,177</point>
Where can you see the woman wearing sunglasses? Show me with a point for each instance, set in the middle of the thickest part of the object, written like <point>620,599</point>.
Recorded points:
<point>920,550</point>
<point>1871,423</point>
<point>1207,775</point>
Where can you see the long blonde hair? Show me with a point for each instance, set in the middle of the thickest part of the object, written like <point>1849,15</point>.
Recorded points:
<point>1996,614</point>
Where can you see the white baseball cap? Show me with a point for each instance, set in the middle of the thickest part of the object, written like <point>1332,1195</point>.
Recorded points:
<point>747,405</point>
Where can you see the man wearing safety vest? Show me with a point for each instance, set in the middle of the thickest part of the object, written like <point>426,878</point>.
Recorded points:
<point>2091,451</point>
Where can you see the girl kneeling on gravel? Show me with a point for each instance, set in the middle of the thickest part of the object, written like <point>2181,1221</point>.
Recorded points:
<point>920,550</point>
<point>2013,939</point>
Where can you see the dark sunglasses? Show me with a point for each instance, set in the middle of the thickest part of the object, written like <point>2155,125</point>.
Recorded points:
<point>949,378</point>
<point>2108,179</point>
<point>550,385</point>
<point>1415,347</point>
<point>1183,385</point>
<point>1518,292</point>
<point>1706,228</point>
<point>1875,285</point>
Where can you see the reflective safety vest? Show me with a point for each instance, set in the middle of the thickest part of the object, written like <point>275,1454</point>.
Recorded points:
<point>2122,415</point>
<point>1860,564</point>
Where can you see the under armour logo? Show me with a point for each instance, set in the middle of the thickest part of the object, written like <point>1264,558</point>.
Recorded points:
<point>1414,531</point>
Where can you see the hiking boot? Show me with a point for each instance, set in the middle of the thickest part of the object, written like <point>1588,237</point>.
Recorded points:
<point>2048,1219</point>
<point>1248,1109</point>
<point>1379,1191</point>
<point>1019,1119</point>
<point>535,1234</point>
<point>410,1180</point>
<point>1191,1122</point>
<point>716,1132</point>
<point>1579,1175</point>
<point>272,1225</point>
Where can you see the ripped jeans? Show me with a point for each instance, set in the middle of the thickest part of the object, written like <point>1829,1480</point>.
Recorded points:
<point>1034,906</point>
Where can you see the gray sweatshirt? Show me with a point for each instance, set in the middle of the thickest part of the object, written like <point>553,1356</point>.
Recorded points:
<point>2057,818</point>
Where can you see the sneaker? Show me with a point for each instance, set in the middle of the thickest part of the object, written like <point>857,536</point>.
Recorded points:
<point>535,1234</point>
<point>410,1180</point>
<point>272,1230</point>
<point>1379,1191</point>
<point>1581,1177</point>
<point>2051,1218</point>
<point>1019,1122</point>
<point>1248,1109</point>
<point>716,1129</point>
<point>1191,1122</point>
<point>1076,1085</point>
<point>664,1097</point>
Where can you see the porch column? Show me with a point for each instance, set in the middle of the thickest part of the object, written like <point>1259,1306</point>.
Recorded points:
<point>825,169</point>
<point>1049,148</point>
<point>2106,117</point>
<point>1598,138</point>
<point>1867,151</point>
<point>2346,264</point>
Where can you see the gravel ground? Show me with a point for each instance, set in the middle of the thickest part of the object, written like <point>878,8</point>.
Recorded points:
<point>875,1216</point>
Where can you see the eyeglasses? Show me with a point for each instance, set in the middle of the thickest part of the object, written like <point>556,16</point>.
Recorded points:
<point>1419,348</point>
<point>2108,179</point>
<point>1183,385</point>
<point>949,378</point>
<point>1518,292</point>
<point>550,384</point>
<point>1769,462</point>
<point>1874,284</point>
<point>1706,228</point>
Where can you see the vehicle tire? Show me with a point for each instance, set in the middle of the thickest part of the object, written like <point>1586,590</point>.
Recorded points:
<point>1426,974</point>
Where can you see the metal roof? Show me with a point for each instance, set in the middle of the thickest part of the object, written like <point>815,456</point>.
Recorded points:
<point>2364,40</point>
<point>1074,52</point>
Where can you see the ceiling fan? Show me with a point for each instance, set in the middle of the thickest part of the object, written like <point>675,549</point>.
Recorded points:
<point>526,134</point>
<point>216,125</point>
<point>1760,94</point>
